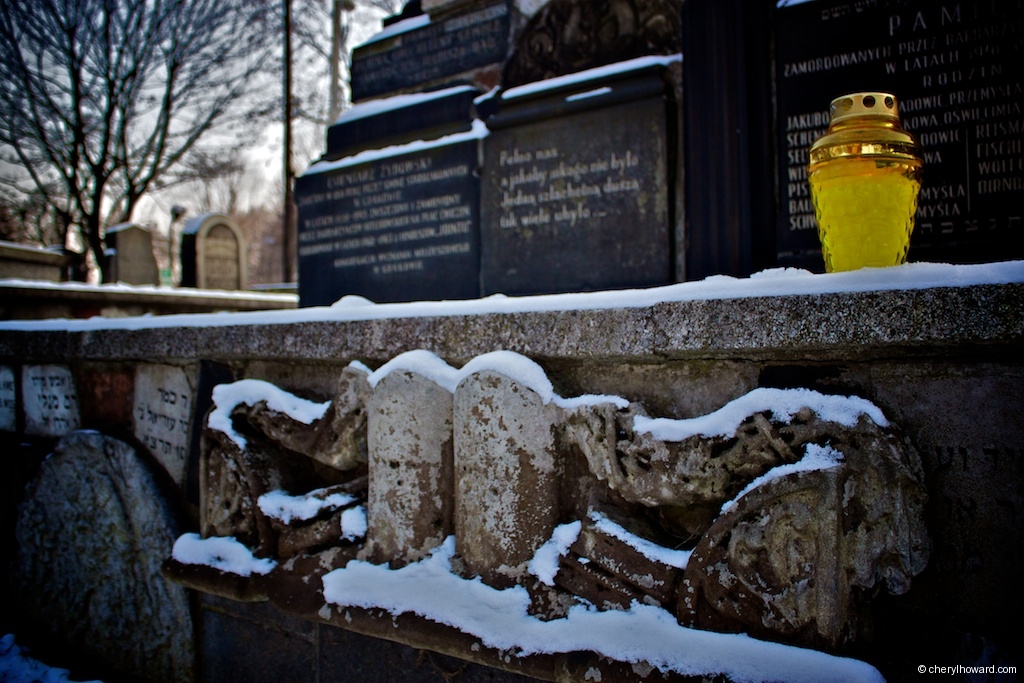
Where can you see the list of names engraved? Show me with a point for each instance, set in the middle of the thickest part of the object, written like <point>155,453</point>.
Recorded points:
<point>955,68</point>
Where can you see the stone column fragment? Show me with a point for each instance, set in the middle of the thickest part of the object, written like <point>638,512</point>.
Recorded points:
<point>506,475</point>
<point>409,508</point>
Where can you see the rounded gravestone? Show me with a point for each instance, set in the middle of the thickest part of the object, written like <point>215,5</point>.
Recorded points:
<point>92,532</point>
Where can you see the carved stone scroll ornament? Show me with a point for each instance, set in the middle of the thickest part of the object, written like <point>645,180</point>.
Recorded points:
<point>794,558</point>
<point>796,515</point>
<point>568,36</point>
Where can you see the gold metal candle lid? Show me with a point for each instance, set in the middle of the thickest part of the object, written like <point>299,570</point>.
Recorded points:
<point>864,124</point>
<point>864,104</point>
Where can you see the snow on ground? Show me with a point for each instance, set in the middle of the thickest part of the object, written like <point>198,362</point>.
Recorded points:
<point>769,283</point>
<point>499,618</point>
<point>17,667</point>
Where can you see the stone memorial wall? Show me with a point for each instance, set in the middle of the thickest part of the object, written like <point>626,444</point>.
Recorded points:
<point>465,447</point>
<point>956,70</point>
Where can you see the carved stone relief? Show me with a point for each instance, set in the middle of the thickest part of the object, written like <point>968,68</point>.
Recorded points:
<point>782,525</point>
<point>567,36</point>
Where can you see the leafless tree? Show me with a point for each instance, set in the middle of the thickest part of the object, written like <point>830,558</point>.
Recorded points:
<point>102,100</point>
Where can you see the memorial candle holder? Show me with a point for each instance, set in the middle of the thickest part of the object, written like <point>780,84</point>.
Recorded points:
<point>865,174</point>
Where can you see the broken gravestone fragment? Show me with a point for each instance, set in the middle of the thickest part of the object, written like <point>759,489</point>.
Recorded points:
<point>411,498</point>
<point>506,475</point>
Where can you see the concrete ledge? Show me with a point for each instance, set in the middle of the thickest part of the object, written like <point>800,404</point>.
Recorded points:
<point>827,327</point>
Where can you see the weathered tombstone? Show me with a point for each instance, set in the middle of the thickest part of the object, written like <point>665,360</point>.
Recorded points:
<point>398,220</point>
<point>956,70</point>
<point>91,534</point>
<point>131,248</point>
<point>213,253</point>
<point>467,43</point>
<point>579,189</point>
<point>8,400</point>
<point>162,415</point>
<point>50,400</point>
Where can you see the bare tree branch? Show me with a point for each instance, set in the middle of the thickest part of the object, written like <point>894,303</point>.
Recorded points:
<point>103,100</point>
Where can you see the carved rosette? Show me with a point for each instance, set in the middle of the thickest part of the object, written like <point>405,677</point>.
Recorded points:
<point>568,36</point>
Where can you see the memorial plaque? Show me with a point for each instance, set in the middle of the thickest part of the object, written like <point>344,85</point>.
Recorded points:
<point>162,415</point>
<point>955,68</point>
<point>8,400</point>
<point>50,399</point>
<point>579,200</point>
<point>400,227</point>
<point>416,51</point>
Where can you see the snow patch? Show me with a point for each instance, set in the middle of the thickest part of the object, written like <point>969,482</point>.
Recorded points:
<point>17,667</point>
<point>544,564</point>
<point>250,392</point>
<point>286,508</point>
<point>223,553</point>
<point>815,458</point>
<point>643,633</point>
<point>650,550</point>
<point>353,523</point>
<point>781,403</point>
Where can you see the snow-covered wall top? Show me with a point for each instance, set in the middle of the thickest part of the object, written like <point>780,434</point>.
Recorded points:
<point>773,313</point>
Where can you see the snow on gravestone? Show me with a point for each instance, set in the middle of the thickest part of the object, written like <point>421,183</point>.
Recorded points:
<point>90,536</point>
<point>50,400</point>
<point>8,400</point>
<point>162,414</point>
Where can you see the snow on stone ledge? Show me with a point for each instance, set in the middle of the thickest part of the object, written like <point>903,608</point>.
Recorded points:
<point>815,458</point>
<point>652,551</point>
<point>250,392</point>
<point>782,403</point>
<point>223,553</point>
<point>775,282</point>
<point>515,366</point>
<point>499,618</point>
<point>287,508</point>
<point>544,564</point>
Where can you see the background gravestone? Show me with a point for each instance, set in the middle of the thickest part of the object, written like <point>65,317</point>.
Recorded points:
<point>92,532</point>
<point>956,69</point>
<point>213,253</point>
<point>133,260</point>
<point>50,400</point>
<point>578,189</point>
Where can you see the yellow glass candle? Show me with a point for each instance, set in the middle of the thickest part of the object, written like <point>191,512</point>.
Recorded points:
<point>865,174</point>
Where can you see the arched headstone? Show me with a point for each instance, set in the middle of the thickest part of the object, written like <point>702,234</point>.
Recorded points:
<point>213,253</point>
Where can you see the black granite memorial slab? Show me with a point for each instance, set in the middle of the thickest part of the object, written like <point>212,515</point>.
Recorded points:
<point>401,119</point>
<point>955,68</point>
<point>578,182</point>
<point>416,50</point>
<point>398,224</point>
